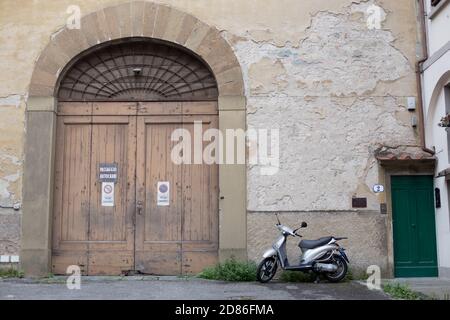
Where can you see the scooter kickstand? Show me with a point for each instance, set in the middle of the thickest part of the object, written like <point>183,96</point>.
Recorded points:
<point>317,281</point>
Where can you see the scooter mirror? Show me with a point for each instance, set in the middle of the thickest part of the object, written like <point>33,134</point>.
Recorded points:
<point>304,224</point>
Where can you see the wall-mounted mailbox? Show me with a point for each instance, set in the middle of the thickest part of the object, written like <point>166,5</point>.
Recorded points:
<point>411,102</point>
<point>437,195</point>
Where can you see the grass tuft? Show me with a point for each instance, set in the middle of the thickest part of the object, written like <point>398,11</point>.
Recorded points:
<point>400,292</point>
<point>296,276</point>
<point>11,273</point>
<point>231,270</point>
<point>355,275</point>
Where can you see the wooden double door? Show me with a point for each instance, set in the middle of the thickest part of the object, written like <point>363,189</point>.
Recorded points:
<point>137,233</point>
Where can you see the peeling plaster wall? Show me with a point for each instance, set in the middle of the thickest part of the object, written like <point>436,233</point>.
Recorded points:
<point>11,143</point>
<point>335,89</point>
<point>330,99</point>
<point>337,95</point>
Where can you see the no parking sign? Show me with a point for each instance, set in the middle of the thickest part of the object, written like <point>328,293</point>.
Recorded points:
<point>107,194</point>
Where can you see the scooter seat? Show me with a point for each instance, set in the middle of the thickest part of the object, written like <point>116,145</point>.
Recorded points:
<point>312,244</point>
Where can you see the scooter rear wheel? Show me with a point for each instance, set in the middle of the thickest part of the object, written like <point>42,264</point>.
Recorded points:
<point>267,270</point>
<point>341,272</point>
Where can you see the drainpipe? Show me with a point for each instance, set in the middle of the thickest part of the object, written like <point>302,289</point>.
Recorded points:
<point>424,41</point>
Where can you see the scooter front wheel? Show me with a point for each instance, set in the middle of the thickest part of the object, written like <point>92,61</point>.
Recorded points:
<point>267,270</point>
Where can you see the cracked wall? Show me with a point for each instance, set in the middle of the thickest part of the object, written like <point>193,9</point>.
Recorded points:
<point>335,88</point>
<point>337,95</point>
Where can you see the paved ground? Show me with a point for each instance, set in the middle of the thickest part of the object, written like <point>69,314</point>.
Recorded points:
<point>435,288</point>
<point>174,288</point>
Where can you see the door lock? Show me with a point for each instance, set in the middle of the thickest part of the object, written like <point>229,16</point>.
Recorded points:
<point>139,207</point>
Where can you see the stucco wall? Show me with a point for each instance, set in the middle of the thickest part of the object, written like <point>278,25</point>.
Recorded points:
<point>313,69</point>
<point>11,144</point>
<point>437,38</point>
<point>436,75</point>
<point>337,95</point>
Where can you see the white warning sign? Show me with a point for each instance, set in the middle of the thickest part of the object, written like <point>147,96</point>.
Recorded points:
<point>107,194</point>
<point>163,198</point>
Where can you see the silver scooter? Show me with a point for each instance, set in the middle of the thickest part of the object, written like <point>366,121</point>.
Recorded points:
<point>323,256</point>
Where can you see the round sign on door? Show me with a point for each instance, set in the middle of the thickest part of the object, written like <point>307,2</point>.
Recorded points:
<point>163,198</point>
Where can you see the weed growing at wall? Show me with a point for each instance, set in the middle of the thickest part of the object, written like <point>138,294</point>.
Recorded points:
<point>292,276</point>
<point>402,292</point>
<point>11,273</point>
<point>231,270</point>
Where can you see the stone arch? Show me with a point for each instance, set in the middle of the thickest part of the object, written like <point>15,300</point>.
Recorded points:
<point>131,19</point>
<point>139,19</point>
<point>437,91</point>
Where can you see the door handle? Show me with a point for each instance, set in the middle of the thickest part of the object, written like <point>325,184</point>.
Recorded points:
<point>139,207</point>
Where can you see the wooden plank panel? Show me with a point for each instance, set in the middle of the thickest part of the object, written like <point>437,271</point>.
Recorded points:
<point>161,223</point>
<point>159,108</point>
<point>58,186</point>
<point>110,262</point>
<point>114,108</point>
<point>75,109</point>
<point>111,246</point>
<point>109,143</point>
<point>200,192</point>
<point>159,259</point>
<point>158,228</point>
<point>75,213</point>
<point>99,238</point>
<point>200,108</point>
<point>200,201</point>
<point>195,261</point>
<point>63,259</point>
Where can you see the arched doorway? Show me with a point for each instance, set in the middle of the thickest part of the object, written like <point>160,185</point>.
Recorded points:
<point>135,19</point>
<point>121,203</point>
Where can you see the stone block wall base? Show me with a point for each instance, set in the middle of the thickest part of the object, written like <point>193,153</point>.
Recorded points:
<point>444,272</point>
<point>366,232</point>
<point>36,262</point>
<point>238,254</point>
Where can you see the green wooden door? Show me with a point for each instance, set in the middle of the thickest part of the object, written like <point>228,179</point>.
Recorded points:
<point>414,226</point>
